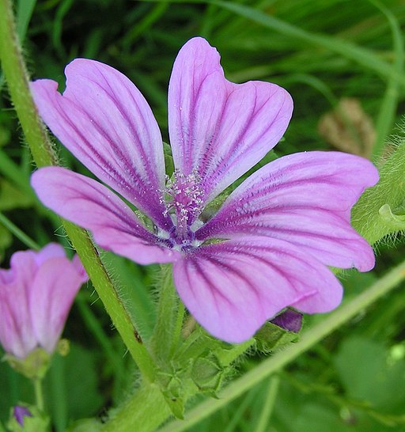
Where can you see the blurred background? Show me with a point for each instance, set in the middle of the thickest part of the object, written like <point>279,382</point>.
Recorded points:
<point>342,62</point>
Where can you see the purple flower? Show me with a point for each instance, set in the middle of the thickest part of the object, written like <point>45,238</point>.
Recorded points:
<point>20,412</point>
<point>289,320</point>
<point>36,294</point>
<point>269,244</point>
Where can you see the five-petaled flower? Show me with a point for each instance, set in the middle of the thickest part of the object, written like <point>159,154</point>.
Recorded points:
<point>270,243</point>
<point>36,294</point>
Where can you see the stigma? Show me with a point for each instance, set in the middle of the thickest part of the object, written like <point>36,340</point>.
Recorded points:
<point>183,199</point>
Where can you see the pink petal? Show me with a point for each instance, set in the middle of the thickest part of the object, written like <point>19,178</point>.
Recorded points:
<point>306,200</point>
<point>51,296</point>
<point>104,120</point>
<point>233,287</point>
<point>92,206</point>
<point>16,332</point>
<point>55,250</point>
<point>51,250</point>
<point>217,128</point>
<point>77,264</point>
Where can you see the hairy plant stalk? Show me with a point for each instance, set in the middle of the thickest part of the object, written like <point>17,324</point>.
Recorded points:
<point>37,138</point>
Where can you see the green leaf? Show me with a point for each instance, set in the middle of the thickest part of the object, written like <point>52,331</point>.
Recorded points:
<point>319,419</point>
<point>5,240</point>
<point>12,197</point>
<point>367,375</point>
<point>85,425</point>
<point>81,383</point>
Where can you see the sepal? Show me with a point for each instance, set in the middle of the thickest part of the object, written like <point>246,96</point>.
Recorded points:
<point>270,337</point>
<point>34,366</point>
<point>169,164</point>
<point>208,374</point>
<point>173,390</point>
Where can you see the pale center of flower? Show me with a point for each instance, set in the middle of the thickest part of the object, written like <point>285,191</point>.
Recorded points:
<point>183,198</point>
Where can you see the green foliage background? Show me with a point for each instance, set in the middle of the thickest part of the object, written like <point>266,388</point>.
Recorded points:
<point>320,51</point>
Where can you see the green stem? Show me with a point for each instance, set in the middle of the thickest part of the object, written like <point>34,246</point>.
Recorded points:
<point>17,78</point>
<point>59,395</point>
<point>312,336</point>
<point>272,390</point>
<point>109,295</point>
<point>39,397</point>
<point>18,233</point>
<point>41,148</point>
<point>144,412</point>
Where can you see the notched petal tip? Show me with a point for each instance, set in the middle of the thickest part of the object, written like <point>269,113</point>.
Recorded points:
<point>233,287</point>
<point>40,85</point>
<point>222,137</point>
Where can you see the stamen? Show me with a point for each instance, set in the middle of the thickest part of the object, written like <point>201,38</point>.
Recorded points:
<point>184,201</point>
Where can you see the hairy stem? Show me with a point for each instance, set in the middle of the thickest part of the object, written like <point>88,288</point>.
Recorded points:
<point>17,78</point>
<point>35,133</point>
<point>144,412</point>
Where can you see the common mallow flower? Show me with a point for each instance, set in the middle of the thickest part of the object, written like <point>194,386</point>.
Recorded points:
<point>36,294</point>
<point>271,241</point>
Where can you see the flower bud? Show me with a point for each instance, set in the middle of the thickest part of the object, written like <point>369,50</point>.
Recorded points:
<point>27,419</point>
<point>20,412</point>
<point>289,320</point>
<point>36,294</point>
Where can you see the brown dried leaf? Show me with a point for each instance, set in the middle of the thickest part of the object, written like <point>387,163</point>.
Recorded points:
<point>348,128</point>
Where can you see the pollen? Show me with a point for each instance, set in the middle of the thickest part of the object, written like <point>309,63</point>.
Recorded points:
<point>183,198</point>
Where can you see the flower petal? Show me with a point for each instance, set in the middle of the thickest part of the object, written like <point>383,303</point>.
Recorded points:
<point>220,129</point>
<point>51,250</point>
<point>16,332</point>
<point>304,199</point>
<point>104,120</point>
<point>51,296</point>
<point>93,206</point>
<point>233,287</point>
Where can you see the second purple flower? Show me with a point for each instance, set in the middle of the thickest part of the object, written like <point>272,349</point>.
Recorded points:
<point>269,245</point>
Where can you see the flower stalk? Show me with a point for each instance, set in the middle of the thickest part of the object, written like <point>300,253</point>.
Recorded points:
<point>35,133</point>
<point>39,397</point>
<point>16,75</point>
